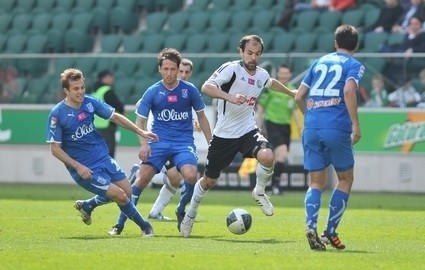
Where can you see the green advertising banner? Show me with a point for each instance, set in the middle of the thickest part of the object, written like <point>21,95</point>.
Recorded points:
<point>389,130</point>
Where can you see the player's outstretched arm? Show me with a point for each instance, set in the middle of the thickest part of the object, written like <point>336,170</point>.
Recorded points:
<point>124,122</point>
<point>350,98</point>
<point>280,87</point>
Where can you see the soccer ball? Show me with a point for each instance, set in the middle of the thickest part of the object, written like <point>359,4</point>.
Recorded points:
<point>239,221</point>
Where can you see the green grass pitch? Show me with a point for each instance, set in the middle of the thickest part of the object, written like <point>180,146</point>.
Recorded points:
<point>40,229</point>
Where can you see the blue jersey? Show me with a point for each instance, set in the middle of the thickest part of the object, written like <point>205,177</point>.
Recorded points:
<point>171,110</point>
<point>74,129</point>
<point>326,80</point>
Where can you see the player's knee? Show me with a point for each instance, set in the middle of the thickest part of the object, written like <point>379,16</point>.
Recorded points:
<point>266,157</point>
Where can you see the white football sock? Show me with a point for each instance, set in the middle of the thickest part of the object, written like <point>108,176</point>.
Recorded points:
<point>198,195</point>
<point>264,176</point>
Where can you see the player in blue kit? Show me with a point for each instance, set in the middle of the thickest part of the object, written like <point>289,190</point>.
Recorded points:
<point>171,101</point>
<point>327,96</point>
<point>75,141</point>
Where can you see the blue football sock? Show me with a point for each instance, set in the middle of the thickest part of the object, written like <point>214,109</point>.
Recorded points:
<point>337,207</point>
<point>135,194</point>
<point>312,206</point>
<point>131,212</point>
<point>186,193</point>
<point>90,204</point>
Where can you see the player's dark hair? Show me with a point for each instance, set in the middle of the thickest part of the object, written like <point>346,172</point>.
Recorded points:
<point>70,74</point>
<point>286,66</point>
<point>187,62</point>
<point>169,54</point>
<point>244,40</point>
<point>347,37</point>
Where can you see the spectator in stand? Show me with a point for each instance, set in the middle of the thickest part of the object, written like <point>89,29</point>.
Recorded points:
<point>378,94</point>
<point>413,43</point>
<point>390,14</point>
<point>333,5</point>
<point>415,9</point>
<point>9,88</point>
<point>405,96</point>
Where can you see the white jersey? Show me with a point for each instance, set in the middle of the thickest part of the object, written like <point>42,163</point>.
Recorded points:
<point>234,121</point>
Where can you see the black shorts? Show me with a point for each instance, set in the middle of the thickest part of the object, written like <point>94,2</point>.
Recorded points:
<point>221,152</point>
<point>278,134</point>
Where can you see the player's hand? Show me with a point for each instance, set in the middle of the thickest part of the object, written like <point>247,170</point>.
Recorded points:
<point>196,126</point>
<point>149,136</point>
<point>356,134</point>
<point>144,152</point>
<point>238,99</point>
<point>84,172</point>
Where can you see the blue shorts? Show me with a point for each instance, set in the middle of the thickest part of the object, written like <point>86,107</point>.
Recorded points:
<point>178,154</point>
<point>103,174</point>
<point>323,147</point>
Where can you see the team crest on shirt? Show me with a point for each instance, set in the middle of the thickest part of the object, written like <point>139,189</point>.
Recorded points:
<point>259,84</point>
<point>185,93</point>
<point>53,122</point>
<point>89,107</point>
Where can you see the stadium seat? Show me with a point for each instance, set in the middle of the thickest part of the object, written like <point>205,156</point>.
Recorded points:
<point>16,43</point>
<point>374,64</point>
<point>152,43</point>
<point>100,22</point>
<point>197,21</point>
<point>86,64</point>
<point>264,19</point>
<point>305,21</point>
<point>220,4</point>
<point>328,21</point>
<point>305,42</point>
<point>33,67</point>
<point>373,42</point>
<point>20,24</point>
<point>65,4</point>
<point>86,5</point>
<point>5,22</point>
<point>217,42</point>
<point>54,41</point>
<point>3,39</point>
<point>148,5</point>
<point>122,19</point>
<point>395,39</point>
<point>353,17</point>
<point>37,43</point>
<point>148,66</point>
<point>76,41</point>
<point>7,5</point>
<point>241,20</point>
<point>62,63</point>
<point>211,64</point>
<point>219,21</point>
<point>26,5</point>
<point>106,4</point>
<point>61,21</point>
<point>196,43</point>
<point>41,23</point>
<point>46,5</point>
<point>170,5</point>
<point>371,17</point>
<point>110,43</point>
<point>283,43</point>
<point>129,5</point>
<point>176,22</point>
<point>82,22</point>
<point>128,66</point>
<point>325,42</point>
<point>103,63</point>
<point>177,41</point>
<point>241,5</point>
<point>37,87</point>
<point>133,43</point>
<point>198,5</point>
<point>156,21</point>
<point>233,41</point>
<point>262,4</point>
<point>124,87</point>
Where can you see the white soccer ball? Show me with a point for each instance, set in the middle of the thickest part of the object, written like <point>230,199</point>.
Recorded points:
<point>239,221</point>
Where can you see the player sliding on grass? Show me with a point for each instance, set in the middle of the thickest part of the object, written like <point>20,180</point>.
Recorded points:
<point>75,141</point>
<point>237,85</point>
<point>327,97</point>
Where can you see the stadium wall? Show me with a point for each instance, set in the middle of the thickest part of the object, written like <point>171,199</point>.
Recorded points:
<point>389,158</point>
